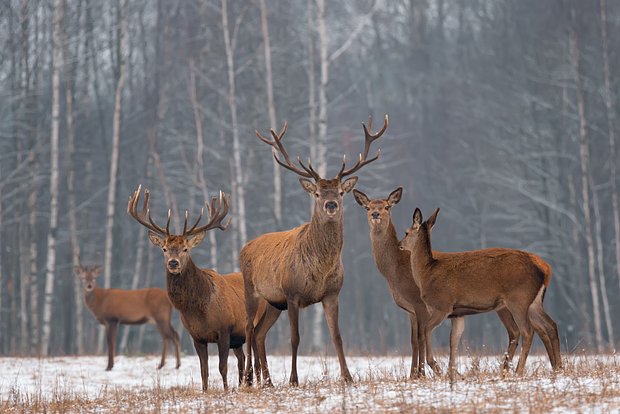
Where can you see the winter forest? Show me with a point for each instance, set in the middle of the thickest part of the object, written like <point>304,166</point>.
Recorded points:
<point>503,113</point>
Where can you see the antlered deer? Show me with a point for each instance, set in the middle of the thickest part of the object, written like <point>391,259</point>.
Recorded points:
<point>302,266</point>
<point>112,307</point>
<point>395,265</point>
<point>212,306</point>
<point>481,281</point>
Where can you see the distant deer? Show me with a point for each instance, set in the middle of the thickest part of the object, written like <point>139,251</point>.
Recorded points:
<point>465,283</point>
<point>297,268</point>
<point>212,306</point>
<point>112,307</point>
<point>395,265</point>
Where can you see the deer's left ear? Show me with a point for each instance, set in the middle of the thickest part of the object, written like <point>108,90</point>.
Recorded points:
<point>196,240</point>
<point>431,220</point>
<point>348,184</point>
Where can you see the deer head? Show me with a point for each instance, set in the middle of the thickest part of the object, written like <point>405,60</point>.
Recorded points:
<point>176,248</point>
<point>328,193</point>
<point>419,232</point>
<point>379,210</point>
<point>88,274</point>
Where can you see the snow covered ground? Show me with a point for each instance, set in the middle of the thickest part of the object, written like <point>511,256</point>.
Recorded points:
<point>80,384</point>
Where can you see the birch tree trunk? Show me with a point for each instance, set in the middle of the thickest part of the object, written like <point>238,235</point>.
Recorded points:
<point>50,268</point>
<point>610,112</point>
<point>239,206</point>
<point>584,158</point>
<point>277,178</point>
<point>112,181</point>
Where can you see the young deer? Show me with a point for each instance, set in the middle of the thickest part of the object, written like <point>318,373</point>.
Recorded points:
<point>112,307</point>
<point>464,283</point>
<point>212,306</point>
<point>297,268</point>
<point>395,265</point>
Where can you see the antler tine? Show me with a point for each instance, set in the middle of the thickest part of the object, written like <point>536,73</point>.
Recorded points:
<point>309,169</point>
<point>218,209</point>
<point>368,140</point>
<point>144,217</point>
<point>276,143</point>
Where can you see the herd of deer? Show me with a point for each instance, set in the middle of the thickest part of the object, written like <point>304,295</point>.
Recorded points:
<point>290,270</point>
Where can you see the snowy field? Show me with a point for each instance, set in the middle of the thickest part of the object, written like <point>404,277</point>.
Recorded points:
<point>80,384</point>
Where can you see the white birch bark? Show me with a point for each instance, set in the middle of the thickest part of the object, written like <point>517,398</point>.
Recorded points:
<point>584,158</point>
<point>50,268</point>
<point>239,205</point>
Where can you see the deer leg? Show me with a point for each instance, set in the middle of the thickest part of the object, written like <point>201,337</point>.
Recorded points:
<point>163,331</point>
<point>293,316</point>
<point>458,325</point>
<point>270,317</point>
<point>417,364</point>
<point>251,306</point>
<point>330,305</point>
<point>203,356</point>
<point>176,341</point>
<point>240,362</point>
<point>547,329</point>
<point>223,349</point>
<point>513,336</point>
<point>520,315</point>
<point>434,320</point>
<point>111,330</point>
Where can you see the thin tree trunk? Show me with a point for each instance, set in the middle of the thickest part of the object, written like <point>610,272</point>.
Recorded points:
<point>199,169</point>
<point>239,205</point>
<point>271,107</point>
<point>610,111</point>
<point>50,269</point>
<point>584,157</point>
<point>112,181</point>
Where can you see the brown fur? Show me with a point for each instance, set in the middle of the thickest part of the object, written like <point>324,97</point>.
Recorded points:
<point>112,307</point>
<point>395,266</point>
<point>480,281</point>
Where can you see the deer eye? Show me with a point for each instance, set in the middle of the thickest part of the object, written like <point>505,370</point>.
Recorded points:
<point>387,207</point>
<point>367,208</point>
<point>316,195</point>
<point>341,193</point>
<point>164,249</point>
<point>185,250</point>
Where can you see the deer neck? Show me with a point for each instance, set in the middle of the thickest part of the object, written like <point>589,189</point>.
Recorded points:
<point>94,298</point>
<point>388,257</point>
<point>324,239</point>
<point>422,255</point>
<point>190,288</point>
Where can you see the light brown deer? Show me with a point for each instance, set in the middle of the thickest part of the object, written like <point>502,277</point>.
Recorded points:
<point>395,266</point>
<point>465,283</point>
<point>212,306</point>
<point>112,307</point>
<point>297,268</point>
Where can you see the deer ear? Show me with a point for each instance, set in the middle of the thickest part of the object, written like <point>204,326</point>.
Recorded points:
<point>431,220</point>
<point>417,217</point>
<point>78,271</point>
<point>97,271</point>
<point>361,198</point>
<point>308,185</point>
<point>348,184</point>
<point>395,196</point>
<point>196,240</point>
<point>156,239</point>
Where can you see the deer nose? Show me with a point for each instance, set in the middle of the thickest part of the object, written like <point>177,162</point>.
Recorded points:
<point>331,205</point>
<point>173,263</point>
<point>375,214</point>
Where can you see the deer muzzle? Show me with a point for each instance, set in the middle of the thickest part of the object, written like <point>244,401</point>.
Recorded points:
<point>331,207</point>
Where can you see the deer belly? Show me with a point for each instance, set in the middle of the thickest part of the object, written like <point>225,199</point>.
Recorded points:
<point>274,296</point>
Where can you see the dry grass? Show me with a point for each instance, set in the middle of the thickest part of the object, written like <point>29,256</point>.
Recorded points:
<point>588,383</point>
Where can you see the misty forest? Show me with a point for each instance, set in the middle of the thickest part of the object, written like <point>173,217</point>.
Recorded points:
<point>503,113</point>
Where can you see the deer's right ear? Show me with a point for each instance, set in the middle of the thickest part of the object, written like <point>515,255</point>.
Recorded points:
<point>361,198</point>
<point>156,239</point>
<point>417,217</point>
<point>308,185</point>
<point>77,270</point>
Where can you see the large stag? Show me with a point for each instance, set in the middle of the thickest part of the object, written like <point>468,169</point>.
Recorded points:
<point>212,306</point>
<point>395,266</point>
<point>112,307</point>
<point>302,266</point>
<point>464,283</point>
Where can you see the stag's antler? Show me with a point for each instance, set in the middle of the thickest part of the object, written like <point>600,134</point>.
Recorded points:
<point>276,143</point>
<point>217,208</point>
<point>369,138</point>
<point>144,217</point>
